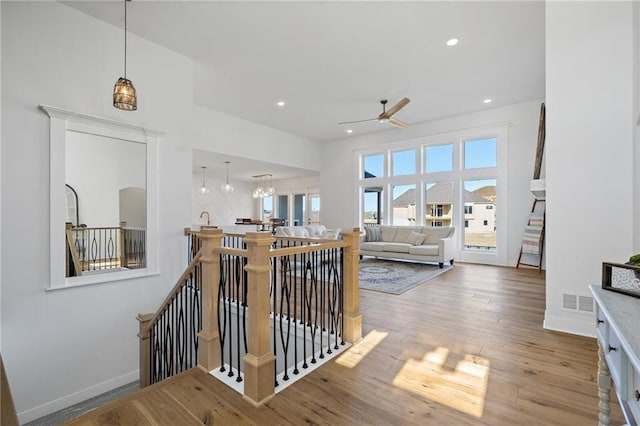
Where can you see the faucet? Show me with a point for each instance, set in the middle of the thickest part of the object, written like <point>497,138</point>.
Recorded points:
<point>207,213</point>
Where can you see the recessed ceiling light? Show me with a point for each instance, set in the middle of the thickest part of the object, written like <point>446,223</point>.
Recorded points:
<point>349,131</point>
<point>280,103</point>
<point>487,101</point>
<point>452,41</point>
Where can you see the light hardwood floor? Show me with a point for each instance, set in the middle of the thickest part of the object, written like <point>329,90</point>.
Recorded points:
<point>465,348</point>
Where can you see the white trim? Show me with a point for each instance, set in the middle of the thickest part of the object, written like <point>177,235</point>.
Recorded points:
<point>76,397</point>
<point>63,121</point>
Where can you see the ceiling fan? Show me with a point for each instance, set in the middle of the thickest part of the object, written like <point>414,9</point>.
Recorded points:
<point>387,116</point>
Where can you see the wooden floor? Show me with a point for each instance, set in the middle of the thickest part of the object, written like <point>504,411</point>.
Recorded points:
<point>465,348</point>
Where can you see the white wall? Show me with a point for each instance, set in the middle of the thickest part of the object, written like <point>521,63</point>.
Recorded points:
<point>337,178</point>
<point>63,346</point>
<point>589,161</point>
<point>223,207</point>
<point>636,117</point>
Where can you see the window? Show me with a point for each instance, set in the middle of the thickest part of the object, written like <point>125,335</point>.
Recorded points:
<point>438,158</point>
<point>372,206</point>
<point>314,200</point>
<point>468,209</point>
<point>489,206</point>
<point>480,153</point>
<point>480,230</point>
<point>404,205</point>
<point>436,223</point>
<point>267,208</point>
<point>373,166</point>
<point>283,208</point>
<point>439,202</point>
<point>404,162</point>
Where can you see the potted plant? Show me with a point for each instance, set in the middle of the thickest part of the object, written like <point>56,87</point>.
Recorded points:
<point>635,261</point>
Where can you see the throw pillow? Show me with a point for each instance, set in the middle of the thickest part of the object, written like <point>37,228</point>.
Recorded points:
<point>372,233</point>
<point>331,234</point>
<point>416,238</point>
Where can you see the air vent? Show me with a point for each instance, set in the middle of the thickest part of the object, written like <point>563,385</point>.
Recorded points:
<point>577,303</point>
<point>570,301</point>
<point>585,303</point>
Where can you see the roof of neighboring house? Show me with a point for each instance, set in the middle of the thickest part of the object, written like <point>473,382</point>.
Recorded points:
<point>440,193</point>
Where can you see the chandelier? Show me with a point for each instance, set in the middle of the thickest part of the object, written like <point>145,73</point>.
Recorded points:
<point>264,185</point>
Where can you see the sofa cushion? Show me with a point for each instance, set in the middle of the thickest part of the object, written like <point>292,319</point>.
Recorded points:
<point>403,233</point>
<point>315,230</point>
<point>372,246</point>
<point>436,233</point>
<point>388,233</point>
<point>397,247</point>
<point>424,250</point>
<point>415,238</point>
<point>372,233</point>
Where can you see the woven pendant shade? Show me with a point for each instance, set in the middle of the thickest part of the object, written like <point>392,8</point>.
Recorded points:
<point>124,95</point>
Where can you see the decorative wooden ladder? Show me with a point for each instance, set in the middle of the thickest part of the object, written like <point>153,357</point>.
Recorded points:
<point>533,240</point>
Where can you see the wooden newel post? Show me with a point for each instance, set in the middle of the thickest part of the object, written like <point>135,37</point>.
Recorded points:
<point>351,311</point>
<point>145,349</point>
<point>259,362</point>
<point>209,336</point>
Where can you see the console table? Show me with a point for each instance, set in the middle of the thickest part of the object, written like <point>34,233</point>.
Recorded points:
<point>618,330</point>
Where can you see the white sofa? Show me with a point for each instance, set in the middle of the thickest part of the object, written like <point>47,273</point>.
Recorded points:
<point>420,243</point>
<point>307,231</point>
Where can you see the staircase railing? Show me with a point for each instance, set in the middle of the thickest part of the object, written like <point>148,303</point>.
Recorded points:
<point>169,338</point>
<point>255,301</point>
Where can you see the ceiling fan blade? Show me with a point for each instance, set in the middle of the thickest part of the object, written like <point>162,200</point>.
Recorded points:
<point>394,109</point>
<point>357,121</point>
<point>398,123</point>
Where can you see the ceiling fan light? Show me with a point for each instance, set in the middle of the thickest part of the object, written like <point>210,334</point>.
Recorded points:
<point>383,120</point>
<point>124,95</point>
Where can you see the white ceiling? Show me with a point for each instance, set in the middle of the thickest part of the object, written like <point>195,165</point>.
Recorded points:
<point>334,60</point>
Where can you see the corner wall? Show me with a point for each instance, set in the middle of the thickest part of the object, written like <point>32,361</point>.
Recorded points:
<point>61,347</point>
<point>590,150</point>
<point>338,175</point>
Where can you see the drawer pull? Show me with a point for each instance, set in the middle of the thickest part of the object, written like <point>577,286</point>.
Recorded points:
<point>599,321</point>
<point>611,348</point>
<point>637,395</point>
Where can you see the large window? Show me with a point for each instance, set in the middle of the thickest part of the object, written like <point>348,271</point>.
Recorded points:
<point>450,180</point>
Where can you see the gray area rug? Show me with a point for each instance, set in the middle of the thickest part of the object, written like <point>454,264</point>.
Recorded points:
<point>394,276</point>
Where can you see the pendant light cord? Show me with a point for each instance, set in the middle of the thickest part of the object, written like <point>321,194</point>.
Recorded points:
<point>125,39</point>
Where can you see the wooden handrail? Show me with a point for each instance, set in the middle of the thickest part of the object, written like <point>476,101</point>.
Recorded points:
<point>175,290</point>
<point>285,251</point>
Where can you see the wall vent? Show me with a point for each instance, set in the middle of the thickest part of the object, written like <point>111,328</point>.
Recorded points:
<point>577,303</point>
<point>570,301</point>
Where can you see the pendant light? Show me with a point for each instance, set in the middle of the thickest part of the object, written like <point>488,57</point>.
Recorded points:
<point>124,94</point>
<point>262,190</point>
<point>204,189</point>
<point>227,187</point>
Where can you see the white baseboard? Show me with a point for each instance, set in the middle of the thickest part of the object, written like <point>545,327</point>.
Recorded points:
<point>582,325</point>
<point>82,395</point>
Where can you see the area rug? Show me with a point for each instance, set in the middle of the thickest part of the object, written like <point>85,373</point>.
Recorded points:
<point>396,277</point>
